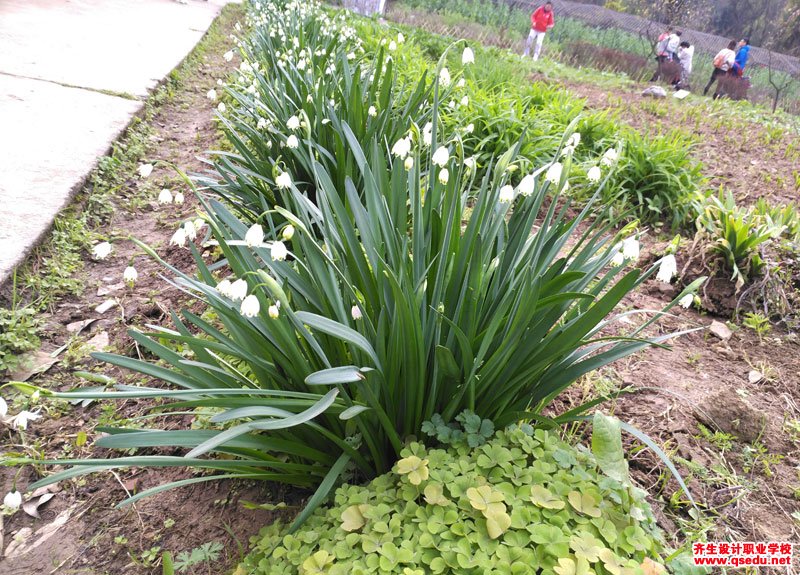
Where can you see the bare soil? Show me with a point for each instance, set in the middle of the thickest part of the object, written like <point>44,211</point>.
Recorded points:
<point>751,159</point>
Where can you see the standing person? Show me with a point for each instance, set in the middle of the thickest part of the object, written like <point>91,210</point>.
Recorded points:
<point>542,21</point>
<point>685,56</point>
<point>723,62</point>
<point>741,57</point>
<point>661,52</point>
<point>661,46</point>
<point>673,42</point>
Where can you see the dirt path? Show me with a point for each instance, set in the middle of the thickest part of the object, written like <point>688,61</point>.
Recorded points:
<point>89,535</point>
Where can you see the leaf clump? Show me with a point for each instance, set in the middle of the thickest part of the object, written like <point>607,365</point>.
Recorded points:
<point>523,502</point>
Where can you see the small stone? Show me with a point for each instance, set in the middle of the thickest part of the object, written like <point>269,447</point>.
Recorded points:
<point>720,330</point>
<point>79,326</point>
<point>755,376</point>
<point>106,305</point>
<point>105,290</point>
<point>731,414</point>
<point>655,92</point>
<point>98,342</point>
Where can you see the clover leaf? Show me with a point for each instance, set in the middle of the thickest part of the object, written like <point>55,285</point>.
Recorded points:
<point>493,456</point>
<point>607,529</point>
<point>318,563</point>
<point>481,498</point>
<point>636,538</point>
<point>613,564</point>
<point>650,567</point>
<point>543,497</point>
<point>584,503</point>
<point>353,517</point>
<point>586,545</point>
<point>551,538</point>
<point>392,556</point>
<point>415,468</point>
<point>572,566</point>
<point>434,494</point>
<point>497,520</point>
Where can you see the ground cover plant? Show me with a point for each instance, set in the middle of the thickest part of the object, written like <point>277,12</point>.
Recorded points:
<point>523,502</point>
<point>383,296</point>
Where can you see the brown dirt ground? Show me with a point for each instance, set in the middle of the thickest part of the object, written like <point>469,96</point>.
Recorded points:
<point>749,158</point>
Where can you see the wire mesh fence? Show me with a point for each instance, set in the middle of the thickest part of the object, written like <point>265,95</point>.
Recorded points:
<point>601,17</point>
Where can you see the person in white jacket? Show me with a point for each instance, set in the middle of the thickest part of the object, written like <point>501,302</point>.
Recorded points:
<point>685,56</point>
<point>723,62</point>
<point>673,42</point>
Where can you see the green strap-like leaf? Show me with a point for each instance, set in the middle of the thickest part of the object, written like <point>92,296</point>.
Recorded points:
<point>322,492</point>
<point>644,438</point>
<point>338,330</point>
<point>335,376</point>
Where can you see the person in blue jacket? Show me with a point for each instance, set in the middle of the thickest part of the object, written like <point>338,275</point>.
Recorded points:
<point>741,57</point>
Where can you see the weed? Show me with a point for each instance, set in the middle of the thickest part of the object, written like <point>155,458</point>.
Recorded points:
<point>205,553</point>
<point>150,557</point>
<point>722,441</point>
<point>758,323</point>
<point>735,233</point>
<point>791,427</point>
<point>18,329</point>
<point>757,455</point>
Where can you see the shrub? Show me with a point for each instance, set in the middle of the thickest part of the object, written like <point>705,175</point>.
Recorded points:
<point>733,87</point>
<point>657,179</point>
<point>525,502</point>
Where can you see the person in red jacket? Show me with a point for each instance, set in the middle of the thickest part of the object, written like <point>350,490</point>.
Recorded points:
<point>541,22</point>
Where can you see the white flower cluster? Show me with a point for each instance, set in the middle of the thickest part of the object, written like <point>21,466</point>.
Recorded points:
<point>18,421</point>
<point>250,305</point>
<point>13,499</point>
<point>572,143</point>
<point>166,197</point>
<point>186,232</point>
<point>628,251</point>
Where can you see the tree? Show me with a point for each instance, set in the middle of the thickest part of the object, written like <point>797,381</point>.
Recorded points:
<point>789,31</point>
<point>676,12</point>
<point>779,81</point>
